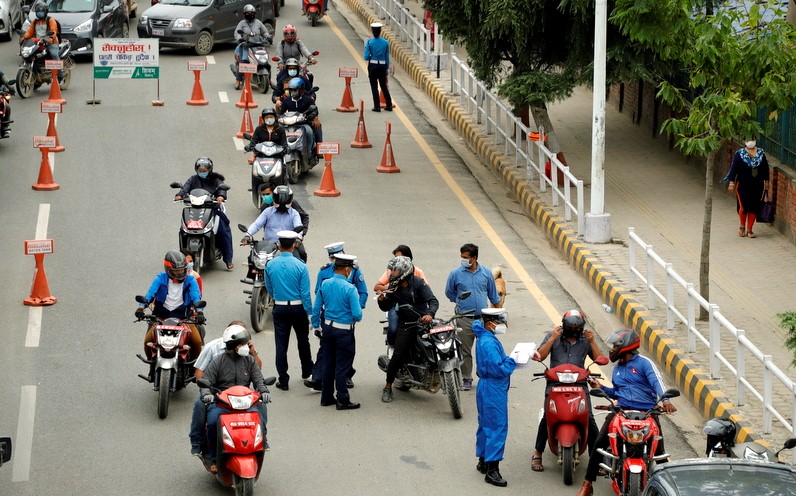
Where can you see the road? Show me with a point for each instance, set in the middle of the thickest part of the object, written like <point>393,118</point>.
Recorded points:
<point>84,423</point>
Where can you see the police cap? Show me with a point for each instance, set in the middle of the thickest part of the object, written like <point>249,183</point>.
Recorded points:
<point>333,248</point>
<point>343,260</point>
<point>287,234</point>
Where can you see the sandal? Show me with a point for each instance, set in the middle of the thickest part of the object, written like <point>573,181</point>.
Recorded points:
<point>750,234</point>
<point>741,231</point>
<point>536,464</point>
<point>230,266</point>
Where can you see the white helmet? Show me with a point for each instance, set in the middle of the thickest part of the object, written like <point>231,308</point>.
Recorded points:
<point>235,335</point>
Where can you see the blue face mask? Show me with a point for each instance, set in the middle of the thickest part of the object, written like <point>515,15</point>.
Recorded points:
<point>292,72</point>
<point>190,265</point>
<point>466,263</point>
<point>268,199</point>
<point>203,175</point>
<point>40,15</point>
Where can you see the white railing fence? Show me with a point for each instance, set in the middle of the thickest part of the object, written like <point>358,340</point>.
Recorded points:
<point>410,30</point>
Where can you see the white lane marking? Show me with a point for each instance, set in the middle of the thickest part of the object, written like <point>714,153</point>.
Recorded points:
<point>34,328</point>
<point>222,95</point>
<point>43,220</point>
<point>211,59</point>
<point>238,143</point>
<point>23,444</point>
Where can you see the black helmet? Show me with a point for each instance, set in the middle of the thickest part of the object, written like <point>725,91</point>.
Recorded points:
<point>283,195</point>
<point>41,7</point>
<point>235,335</point>
<point>249,12</point>
<point>203,162</point>
<point>622,341</point>
<point>175,265</point>
<point>719,431</point>
<point>572,323</point>
<point>269,111</point>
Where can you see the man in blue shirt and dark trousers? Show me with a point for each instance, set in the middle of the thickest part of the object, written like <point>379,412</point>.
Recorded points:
<point>478,280</point>
<point>288,282</point>
<point>377,55</point>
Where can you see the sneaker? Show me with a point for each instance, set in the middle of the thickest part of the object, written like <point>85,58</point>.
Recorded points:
<point>386,395</point>
<point>467,384</point>
<point>266,446</point>
<point>196,450</point>
<point>238,85</point>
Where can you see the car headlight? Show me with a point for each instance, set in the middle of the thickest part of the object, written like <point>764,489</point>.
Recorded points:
<point>84,27</point>
<point>183,24</point>
<point>143,19</point>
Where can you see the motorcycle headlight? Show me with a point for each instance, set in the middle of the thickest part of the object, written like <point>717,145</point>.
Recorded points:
<point>240,402</point>
<point>84,27</point>
<point>260,260</point>
<point>635,435</point>
<point>314,2</point>
<point>567,377</point>
<point>183,24</point>
<point>26,51</point>
<point>168,342</point>
<point>444,346</point>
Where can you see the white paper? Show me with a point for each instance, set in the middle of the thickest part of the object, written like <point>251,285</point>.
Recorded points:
<point>523,352</point>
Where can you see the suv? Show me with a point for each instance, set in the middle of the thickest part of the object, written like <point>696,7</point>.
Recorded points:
<point>721,476</point>
<point>199,24</point>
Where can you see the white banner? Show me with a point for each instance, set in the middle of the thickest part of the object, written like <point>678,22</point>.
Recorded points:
<point>126,58</point>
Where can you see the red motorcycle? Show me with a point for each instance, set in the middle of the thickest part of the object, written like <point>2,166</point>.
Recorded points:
<point>314,10</point>
<point>634,436</point>
<point>567,413</point>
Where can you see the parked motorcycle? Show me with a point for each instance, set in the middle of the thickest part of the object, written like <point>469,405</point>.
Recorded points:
<point>5,450</point>
<point>255,46</point>
<point>5,110</point>
<point>721,433</point>
<point>567,412</point>
<point>241,440</point>
<point>267,167</point>
<point>296,159</point>
<point>199,226</point>
<point>260,301</point>
<point>32,72</point>
<point>314,10</point>
<point>634,436</point>
<point>172,368</point>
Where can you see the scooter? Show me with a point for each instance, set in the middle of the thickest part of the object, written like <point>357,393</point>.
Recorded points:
<point>241,440</point>
<point>567,412</point>
<point>634,436</point>
<point>303,71</point>
<point>255,45</point>
<point>5,110</point>
<point>296,159</point>
<point>199,226</point>
<point>172,368</point>
<point>314,10</point>
<point>5,450</point>
<point>267,167</point>
<point>260,301</point>
<point>32,72</point>
<point>721,433</point>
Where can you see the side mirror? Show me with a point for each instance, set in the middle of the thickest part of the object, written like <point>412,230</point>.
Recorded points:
<point>175,185</point>
<point>107,8</point>
<point>204,383</point>
<point>200,304</point>
<point>465,295</point>
<point>670,393</point>
<point>315,89</point>
<point>599,393</point>
<point>5,450</point>
<point>405,307</point>
<point>247,136</point>
<point>276,59</point>
<point>790,443</point>
<point>316,53</point>
<point>140,299</point>
<point>240,31</point>
<point>601,360</point>
<point>241,228</point>
<point>270,381</point>
<point>225,187</point>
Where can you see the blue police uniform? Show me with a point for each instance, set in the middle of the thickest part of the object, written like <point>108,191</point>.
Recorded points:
<point>377,55</point>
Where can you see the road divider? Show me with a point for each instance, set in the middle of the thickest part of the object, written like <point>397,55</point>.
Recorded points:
<point>55,87</point>
<point>23,444</point>
<point>246,97</point>
<point>197,95</point>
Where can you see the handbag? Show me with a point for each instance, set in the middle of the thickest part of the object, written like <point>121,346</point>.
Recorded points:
<point>766,214</point>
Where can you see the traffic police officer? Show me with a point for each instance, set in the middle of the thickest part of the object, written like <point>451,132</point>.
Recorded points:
<point>377,54</point>
<point>288,281</point>
<point>338,302</point>
<point>358,280</point>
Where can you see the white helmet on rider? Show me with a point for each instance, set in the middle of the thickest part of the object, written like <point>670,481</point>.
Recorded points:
<point>235,335</point>
<point>249,12</point>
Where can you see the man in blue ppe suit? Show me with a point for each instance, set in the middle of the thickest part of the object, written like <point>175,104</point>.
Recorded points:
<point>494,370</point>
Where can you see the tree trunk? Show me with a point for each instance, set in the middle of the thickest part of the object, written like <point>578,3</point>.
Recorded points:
<point>704,255</point>
<point>542,119</point>
<point>792,12</point>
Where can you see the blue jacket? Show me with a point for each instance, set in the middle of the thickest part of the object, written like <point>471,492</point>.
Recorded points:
<point>357,279</point>
<point>378,49</point>
<point>637,384</point>
<point>287,279</point>
<point>339,301</point>
<point>159,289</point>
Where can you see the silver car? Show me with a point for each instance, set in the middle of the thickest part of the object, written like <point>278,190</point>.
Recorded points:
<point>10,18</point>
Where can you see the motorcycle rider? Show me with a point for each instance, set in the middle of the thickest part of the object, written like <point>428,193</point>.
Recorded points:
<point>234,367</point>
<point>637,385</point>
<point>383,284</point>
<point>267,192</point>
<point>250,25</point>
<point>210,181</point>
<point>292,70</point>
<point>568,343</point>
<point>6,120</point>
<point>292,48</point>
<point>300,102</point>
<point>39,29</point>
<point>269,130</point>
<point>280,217</point>
<point>405,288</point>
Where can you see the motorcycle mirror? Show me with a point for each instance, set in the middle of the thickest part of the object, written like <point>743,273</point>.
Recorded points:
<point>316,53</point>
<point>240,31</point>
<point>247,136</point>
<point>175,185</point>
<point>601,360</point>
<point>598,393</point>
<point>50,33</point>
<point>140,299</point>
<point>270,381</point>
<point>5,450</point>
<point>203,383</point>
<point>241,228</point>
<point>276,59</point>
<point>465,295</point>
<point>225,187</point>
<point>790,443</point>
<point>315,89</point>
<point>200,304</point>
<point>670,393</point>
<point>26,9</point>
<point>405,307</point>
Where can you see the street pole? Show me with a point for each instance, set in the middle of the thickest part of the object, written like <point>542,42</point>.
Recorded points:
<point>597,222</point>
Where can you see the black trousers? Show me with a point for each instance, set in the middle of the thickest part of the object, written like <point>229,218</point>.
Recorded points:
<point>287,317</point>
<point>404,341</point>
<point>377,74</point>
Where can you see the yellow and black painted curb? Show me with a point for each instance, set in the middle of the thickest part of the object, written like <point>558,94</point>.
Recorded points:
<point>703,392</point>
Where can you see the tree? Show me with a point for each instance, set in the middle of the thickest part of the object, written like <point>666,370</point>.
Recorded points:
<point>737,60</point>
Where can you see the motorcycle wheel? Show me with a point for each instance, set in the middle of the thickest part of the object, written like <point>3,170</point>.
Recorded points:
<point>634,485</point>
<point>568,456</point>
<point>25,81</point>
<point>67,80</point>
<point>258,308</point>
<point>294,171</point>
<point>262,84</point>
<point>243,487</point>
<point>314,19</point>
<point>451,387</point>
<point>164,391</point>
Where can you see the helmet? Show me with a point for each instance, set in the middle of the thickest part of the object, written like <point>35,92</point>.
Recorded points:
<point>41,7</point>
<point>404,267</point>
<point>249,8</point>
<point>249,12</point>
<point>719,430</point>
<point>175,265</point>
<point>573,322</point>
<point>269,111</point>
<point>283,195</point>
<point>235,335</point>
<point>295,84</point>
<point>622,341</point>
<point>203,162</point>
<point>291,62</point>
<point>289,31</point>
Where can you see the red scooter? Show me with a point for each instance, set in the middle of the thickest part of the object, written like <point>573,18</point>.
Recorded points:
<point>567,413</point>
<point>314,10</point>
<point>634,436</point>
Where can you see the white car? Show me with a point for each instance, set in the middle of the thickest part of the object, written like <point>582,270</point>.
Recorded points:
<point>10,18</point>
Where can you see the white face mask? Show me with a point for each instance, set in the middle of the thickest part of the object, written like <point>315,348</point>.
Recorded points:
<point>466,263</point>
<point>751,144</point>
<point>269,121</point>
<point>244,350</point>
<point>500,329</point>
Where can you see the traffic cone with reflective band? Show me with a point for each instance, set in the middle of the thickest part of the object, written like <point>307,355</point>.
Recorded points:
<point>382,101</point>
<point>246,98</point>
<point>246,125</point>
<point>197,96</point>
<point>51,131</point>
<point>327,187</point>
<point>45,181</point>
<point>387,159</point>
<point>55,90</point>
<point>39,290</point>
<point>361,138</point>
<point>347,105</point>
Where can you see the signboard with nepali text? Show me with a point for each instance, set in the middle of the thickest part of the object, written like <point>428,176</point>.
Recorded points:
<point>38,246</point>
<point>126,58</point>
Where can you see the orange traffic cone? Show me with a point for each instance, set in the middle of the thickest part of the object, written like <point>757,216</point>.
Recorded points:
<point>51,131</point>
<point>387,159</point>
<point>347,105</point>
<point>382,101</point>
<point>197,96</point>
<point>361,138</point>
<point>246,125</point>
<point>55,90</point>
<point>327,187</point>
<point>45,181</point>
<point>39,290</point>
<point>246,98</point>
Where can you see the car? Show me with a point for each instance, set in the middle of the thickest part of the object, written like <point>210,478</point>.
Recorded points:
<point>10,18</point>
<point>721,476</point>
<point>199,24</point>
<point>84,20</point>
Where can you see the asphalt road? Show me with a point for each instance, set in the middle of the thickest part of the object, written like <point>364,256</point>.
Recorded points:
<point>74,391</point>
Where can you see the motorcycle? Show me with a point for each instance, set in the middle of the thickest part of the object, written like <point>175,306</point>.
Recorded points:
<point>314,10</point>
<point>567,413</point>
<point>241,440</point>
<point>260,301</point>
<point>296,159</point>
<point>634,436</point>
<point>32,72</point>
<point>5,450</point>
<point>172,368</point>
<point>721,432</point>
<point>255,46</point>
<point>5,110</point>
<point>267,166</point>
<point>199,226</point>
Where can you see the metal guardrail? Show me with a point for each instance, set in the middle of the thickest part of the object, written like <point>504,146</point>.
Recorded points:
<point>677,288</point>
<point>410,30</point>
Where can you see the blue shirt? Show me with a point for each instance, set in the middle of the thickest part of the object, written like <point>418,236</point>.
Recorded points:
<point>287,278</point>
<point>274,221</point>
<point>339,301</point>
<point>480,283</point>
<point>357,279</point>
<point>378,49</point>
<point>159,289</point>
<point>637,384</point>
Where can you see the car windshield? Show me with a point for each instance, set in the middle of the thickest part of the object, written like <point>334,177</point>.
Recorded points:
<point>734,480</point>
<point>195,3</point>
<point>72,6</point>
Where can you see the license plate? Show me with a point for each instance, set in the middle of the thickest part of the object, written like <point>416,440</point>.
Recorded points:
<point>444,328</point>
<point>268,161</point>
<point>158,32</point>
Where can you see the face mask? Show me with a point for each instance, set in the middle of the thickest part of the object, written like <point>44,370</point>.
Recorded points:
<point>244,350</point>
<point>268,199</point>
<point>500,329</point>
<point>203,175</point>
<point>190,265</point>
<point>40,15</point>
<point>466,263</point>
<point>292,72</point>
<point>294,94</point>
<point>270,121</point>
<point>751,144</point>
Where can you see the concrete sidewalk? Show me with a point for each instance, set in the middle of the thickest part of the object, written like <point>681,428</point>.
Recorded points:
<point>661,195</point>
